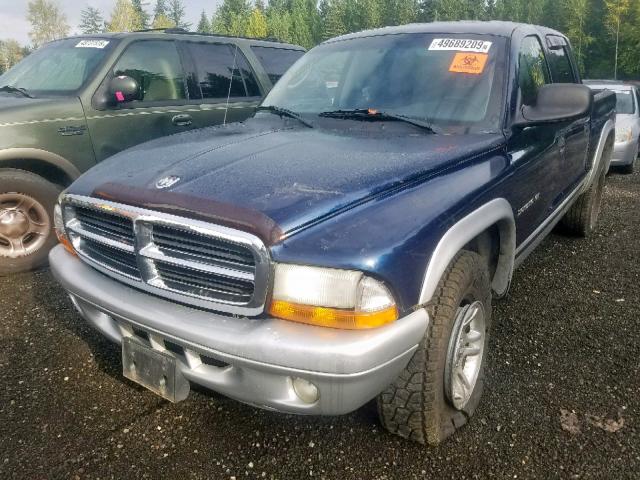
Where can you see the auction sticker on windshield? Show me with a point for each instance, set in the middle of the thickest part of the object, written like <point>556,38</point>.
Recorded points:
<point>460,45</point>
<point>469,63</point>
<point>92,44</point>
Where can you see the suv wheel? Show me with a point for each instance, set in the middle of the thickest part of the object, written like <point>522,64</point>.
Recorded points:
<point>26,220</point>
<point>441,387</point>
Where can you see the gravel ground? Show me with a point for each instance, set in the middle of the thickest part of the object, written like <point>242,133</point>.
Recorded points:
<point>562,397</point>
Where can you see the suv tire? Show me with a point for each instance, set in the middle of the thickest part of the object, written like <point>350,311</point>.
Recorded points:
<point>421,404</point>
<point>26,220</point>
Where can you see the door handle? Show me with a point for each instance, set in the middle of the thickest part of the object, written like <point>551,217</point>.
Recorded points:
<point>182,120</point>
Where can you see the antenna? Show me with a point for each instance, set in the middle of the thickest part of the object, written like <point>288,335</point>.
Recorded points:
<point>226,108</point>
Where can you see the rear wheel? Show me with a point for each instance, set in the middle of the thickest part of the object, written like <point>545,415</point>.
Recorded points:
<point>26,220</point>
<point>582,217</point>
<point>441,387</point>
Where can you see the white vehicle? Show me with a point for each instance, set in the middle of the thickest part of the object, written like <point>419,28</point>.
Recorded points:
<point>627,122</point>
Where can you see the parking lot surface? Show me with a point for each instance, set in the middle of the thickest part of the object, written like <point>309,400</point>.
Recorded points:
<point>562,398</point>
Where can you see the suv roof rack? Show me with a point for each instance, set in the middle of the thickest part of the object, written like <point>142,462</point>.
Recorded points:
<point>182,31</point>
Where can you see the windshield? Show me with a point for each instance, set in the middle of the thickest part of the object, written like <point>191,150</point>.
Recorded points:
<point>60,67</point>
<point>450,81</point>
<point>624,102</point>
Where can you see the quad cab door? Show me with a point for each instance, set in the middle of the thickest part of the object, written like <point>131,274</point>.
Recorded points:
<point>536,152</point>
<point>161,109</point>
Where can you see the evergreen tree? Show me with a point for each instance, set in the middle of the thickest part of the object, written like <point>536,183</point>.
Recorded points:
<point>334,19</point>
<point>203,25</point>
<point>91,21</point>
<point>160,9</point>
<point>124,18</point>
<point>614,20</point>
<point>162,21</point>
<point>257,25</point>
<point>176,14</point>
<point>143,16</point>
<point>279,24</point>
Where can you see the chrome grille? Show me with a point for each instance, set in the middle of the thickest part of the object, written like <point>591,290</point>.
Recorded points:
<point>189,261</point>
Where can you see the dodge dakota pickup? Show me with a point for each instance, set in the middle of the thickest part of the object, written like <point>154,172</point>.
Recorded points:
<point>346,243</point>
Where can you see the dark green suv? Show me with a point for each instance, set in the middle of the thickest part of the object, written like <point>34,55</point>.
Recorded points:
<point>75,102</point>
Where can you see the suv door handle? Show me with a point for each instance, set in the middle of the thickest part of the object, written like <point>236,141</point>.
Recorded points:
<point>182,120</point>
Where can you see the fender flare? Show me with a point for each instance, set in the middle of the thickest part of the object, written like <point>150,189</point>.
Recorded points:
<point>496,212</point>
<point>597,166</point>
<point>37,154</point>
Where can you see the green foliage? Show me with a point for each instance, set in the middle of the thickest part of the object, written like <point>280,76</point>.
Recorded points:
<point>176,13</point>
<point>124,18</point>
<point>47,22</point>
<point>91,20</point>
<point>605,34</point>
<point>203,25</point>
<point>10,53</point>
<point>257,25</point>
<point>143,16</point>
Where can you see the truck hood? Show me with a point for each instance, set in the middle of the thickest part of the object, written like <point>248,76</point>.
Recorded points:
<point>288,173</point>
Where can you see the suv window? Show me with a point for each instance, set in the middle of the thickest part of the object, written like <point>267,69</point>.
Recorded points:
<point>561,69</point>
<point>220,70</point>
<point>156,66</point>
<point>533,71</point>
<point>276,61</point>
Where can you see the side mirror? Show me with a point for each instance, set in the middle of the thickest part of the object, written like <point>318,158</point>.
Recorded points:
<point>124,89</point>
<point>557,102</point>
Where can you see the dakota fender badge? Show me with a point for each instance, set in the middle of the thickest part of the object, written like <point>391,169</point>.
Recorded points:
<point>167,182</point>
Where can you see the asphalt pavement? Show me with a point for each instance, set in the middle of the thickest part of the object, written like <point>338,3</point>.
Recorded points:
<point>562,398</point>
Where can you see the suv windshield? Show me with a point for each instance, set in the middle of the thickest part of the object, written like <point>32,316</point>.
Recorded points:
<point>453,82</point>
<point>58,68</point>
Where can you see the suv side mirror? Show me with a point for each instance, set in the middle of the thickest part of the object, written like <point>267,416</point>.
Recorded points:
<point>557,102</point>
<point>124,89</point>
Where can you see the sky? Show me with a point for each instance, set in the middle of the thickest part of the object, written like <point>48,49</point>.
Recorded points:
<point>13,22</point>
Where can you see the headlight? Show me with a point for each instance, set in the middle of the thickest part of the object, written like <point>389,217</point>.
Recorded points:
<point>331,298</point>
<point>623,134</point>
<point>61,233</point>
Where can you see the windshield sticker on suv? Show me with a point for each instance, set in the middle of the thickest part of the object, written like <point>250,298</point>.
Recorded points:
<point>460,45</point>
<point>92,44</point>
<point>469,63</point>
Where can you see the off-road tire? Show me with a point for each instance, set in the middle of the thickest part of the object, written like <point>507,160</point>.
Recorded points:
<point>415,406</point>
<point>46,193</point>
<point>582,217</point>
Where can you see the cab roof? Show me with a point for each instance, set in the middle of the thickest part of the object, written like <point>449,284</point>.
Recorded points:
<point>494,27</point>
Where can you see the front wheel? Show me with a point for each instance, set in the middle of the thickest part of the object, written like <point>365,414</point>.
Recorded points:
<point>441,387</point>
<point>26,220</point>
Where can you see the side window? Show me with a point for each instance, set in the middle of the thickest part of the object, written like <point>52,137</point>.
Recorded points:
<point>156,66</point>
<point>533,71</point>
<point>220,70</point>
<point>561,69</point>
<point>276,61</point>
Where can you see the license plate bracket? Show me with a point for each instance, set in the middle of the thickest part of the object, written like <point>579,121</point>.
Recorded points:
<point>154,370</point>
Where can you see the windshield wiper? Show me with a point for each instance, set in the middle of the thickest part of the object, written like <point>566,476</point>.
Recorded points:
<point>12,89</point>
<point>285,112</point>
<point>370,114</point>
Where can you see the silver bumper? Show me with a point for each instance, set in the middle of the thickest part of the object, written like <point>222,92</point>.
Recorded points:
<point>253,361</point>
<point>624,153</point>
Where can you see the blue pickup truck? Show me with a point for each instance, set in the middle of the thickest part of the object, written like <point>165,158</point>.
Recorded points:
<point>346,243</point>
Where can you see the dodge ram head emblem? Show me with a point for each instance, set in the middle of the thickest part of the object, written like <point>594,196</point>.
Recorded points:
<point>167,182</point>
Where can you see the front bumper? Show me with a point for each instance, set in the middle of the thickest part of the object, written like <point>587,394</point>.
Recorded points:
<point>624,153</point>
<point>253,361</point>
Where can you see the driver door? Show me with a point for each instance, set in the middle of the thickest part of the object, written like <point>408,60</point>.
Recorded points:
<point>161,108</point>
